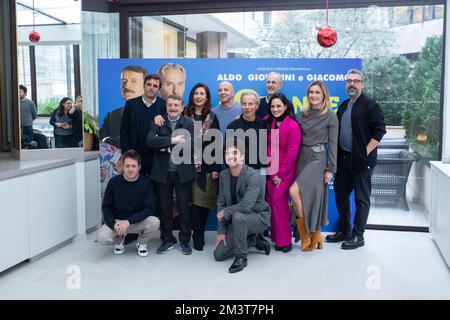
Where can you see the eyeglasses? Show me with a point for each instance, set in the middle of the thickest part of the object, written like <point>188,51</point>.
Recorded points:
<point>355,81</point>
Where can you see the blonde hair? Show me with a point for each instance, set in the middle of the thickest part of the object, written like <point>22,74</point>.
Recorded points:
<point>326,98</point>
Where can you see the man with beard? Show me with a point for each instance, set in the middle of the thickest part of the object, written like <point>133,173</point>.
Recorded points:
<point>361,128</point>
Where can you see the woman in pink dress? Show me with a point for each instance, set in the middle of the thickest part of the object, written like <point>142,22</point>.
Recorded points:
<point>284,139</point>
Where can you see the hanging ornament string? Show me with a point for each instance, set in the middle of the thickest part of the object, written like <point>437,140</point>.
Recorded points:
<point>327,36</point>
<point>34,14</point>
<point>34,36</point>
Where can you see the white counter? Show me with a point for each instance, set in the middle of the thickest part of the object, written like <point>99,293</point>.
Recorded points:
<point>45,203</point>
<point>440,207</point>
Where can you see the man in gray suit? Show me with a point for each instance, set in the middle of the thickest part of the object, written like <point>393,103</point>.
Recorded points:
<point>241,209</point>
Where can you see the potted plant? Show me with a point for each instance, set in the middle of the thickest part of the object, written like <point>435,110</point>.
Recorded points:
<point>90,128</point>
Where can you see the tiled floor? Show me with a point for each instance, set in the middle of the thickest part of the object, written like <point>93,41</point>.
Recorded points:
<point>392,265</point>
<point>392,213</point>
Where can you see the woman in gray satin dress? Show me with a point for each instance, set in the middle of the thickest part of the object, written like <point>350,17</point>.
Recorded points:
<point>316,165</point>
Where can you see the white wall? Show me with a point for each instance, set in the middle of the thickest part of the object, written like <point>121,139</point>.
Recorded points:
<point>56,34</point>
<point>417,31</point>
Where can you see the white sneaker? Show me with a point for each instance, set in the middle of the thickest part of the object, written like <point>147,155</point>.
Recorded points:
<point>118,247</point>
<point>142,249</point>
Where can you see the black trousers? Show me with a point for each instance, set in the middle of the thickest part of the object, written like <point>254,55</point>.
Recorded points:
<point>146,163</point>
<point>346,181</point>
<point>199,220</point>
<point>184,197</point>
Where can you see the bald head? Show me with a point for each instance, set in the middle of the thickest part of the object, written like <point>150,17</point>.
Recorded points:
<point>273,83</point>
<point>226,93</point>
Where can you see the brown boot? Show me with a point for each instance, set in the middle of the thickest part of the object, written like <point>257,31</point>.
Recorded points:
<point>316,240</point>
<point>304,236</point>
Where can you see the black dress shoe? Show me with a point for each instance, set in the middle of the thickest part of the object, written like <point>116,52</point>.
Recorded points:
<point>239,264</point>
<point>262,244</point>
<point>130,238</point>
<point>353,243</point>
<point>338,237</point>
<point>283,248</point>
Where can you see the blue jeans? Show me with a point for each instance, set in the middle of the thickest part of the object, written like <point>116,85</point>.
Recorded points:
<point>28,132</point>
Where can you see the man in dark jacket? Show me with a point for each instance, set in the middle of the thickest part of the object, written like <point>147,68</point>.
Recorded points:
<point>173,168</point>
<point>361,127</point>
<point>241,209</point>
<point>129,207</point>
<point>138,114</point>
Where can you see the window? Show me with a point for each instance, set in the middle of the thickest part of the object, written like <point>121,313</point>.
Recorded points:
<point>409,96</point>
<point>417,14</point>
<point>267,18</point>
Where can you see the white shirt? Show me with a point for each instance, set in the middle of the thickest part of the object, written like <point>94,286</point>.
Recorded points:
<point>147,104</point>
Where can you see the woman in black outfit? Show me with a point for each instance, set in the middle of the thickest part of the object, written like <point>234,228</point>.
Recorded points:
<point>65,120</point>
<point>204,190</point>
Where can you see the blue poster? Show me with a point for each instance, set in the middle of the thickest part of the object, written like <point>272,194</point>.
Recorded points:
<point>244,74</point>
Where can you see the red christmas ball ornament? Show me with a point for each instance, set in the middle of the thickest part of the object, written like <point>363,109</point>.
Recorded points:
<point>326,37</point>
<point>34,36</point>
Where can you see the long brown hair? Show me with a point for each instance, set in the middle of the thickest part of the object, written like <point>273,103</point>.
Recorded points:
<point>190,109</point>
<point>61,108</point>
<point>326,98</point>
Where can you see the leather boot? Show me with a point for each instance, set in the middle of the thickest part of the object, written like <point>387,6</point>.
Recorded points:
<point>304,236</point>
<point>316,240</point>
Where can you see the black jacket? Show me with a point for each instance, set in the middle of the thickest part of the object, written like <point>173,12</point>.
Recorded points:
<point>161,138</point>
<point>110,130</point>
<point>367,123</point>
<point>136,120</point>
<point>247,127</point>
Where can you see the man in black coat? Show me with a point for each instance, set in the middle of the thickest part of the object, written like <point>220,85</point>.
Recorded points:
<point>138,115</point>
<point>361,128</point>
<point>173,168</point>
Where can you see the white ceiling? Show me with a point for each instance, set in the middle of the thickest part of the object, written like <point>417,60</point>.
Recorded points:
<point>68,11</point>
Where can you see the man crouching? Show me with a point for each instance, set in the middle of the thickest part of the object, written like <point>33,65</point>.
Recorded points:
<point>129,207</point>
<point>241,209</point>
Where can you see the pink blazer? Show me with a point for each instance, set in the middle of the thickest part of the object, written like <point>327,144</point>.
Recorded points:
<point>283,150</point>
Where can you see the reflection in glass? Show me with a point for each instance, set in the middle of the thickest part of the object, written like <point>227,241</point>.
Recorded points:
<point>67,124</point>
<point>47,68</point>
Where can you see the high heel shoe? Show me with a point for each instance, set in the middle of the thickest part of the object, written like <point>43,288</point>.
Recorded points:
<point>304,236</point>
<point>316,240</point>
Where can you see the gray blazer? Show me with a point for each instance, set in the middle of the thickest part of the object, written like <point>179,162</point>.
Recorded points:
<point>250,197</point>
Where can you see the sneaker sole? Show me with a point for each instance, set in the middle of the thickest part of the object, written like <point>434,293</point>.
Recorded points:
<point>119,252</point>
<point>142,254</point>
<point>168,249</point>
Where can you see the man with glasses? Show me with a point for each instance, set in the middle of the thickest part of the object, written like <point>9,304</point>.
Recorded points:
<point>273,85</point>
<point>361,128</point>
